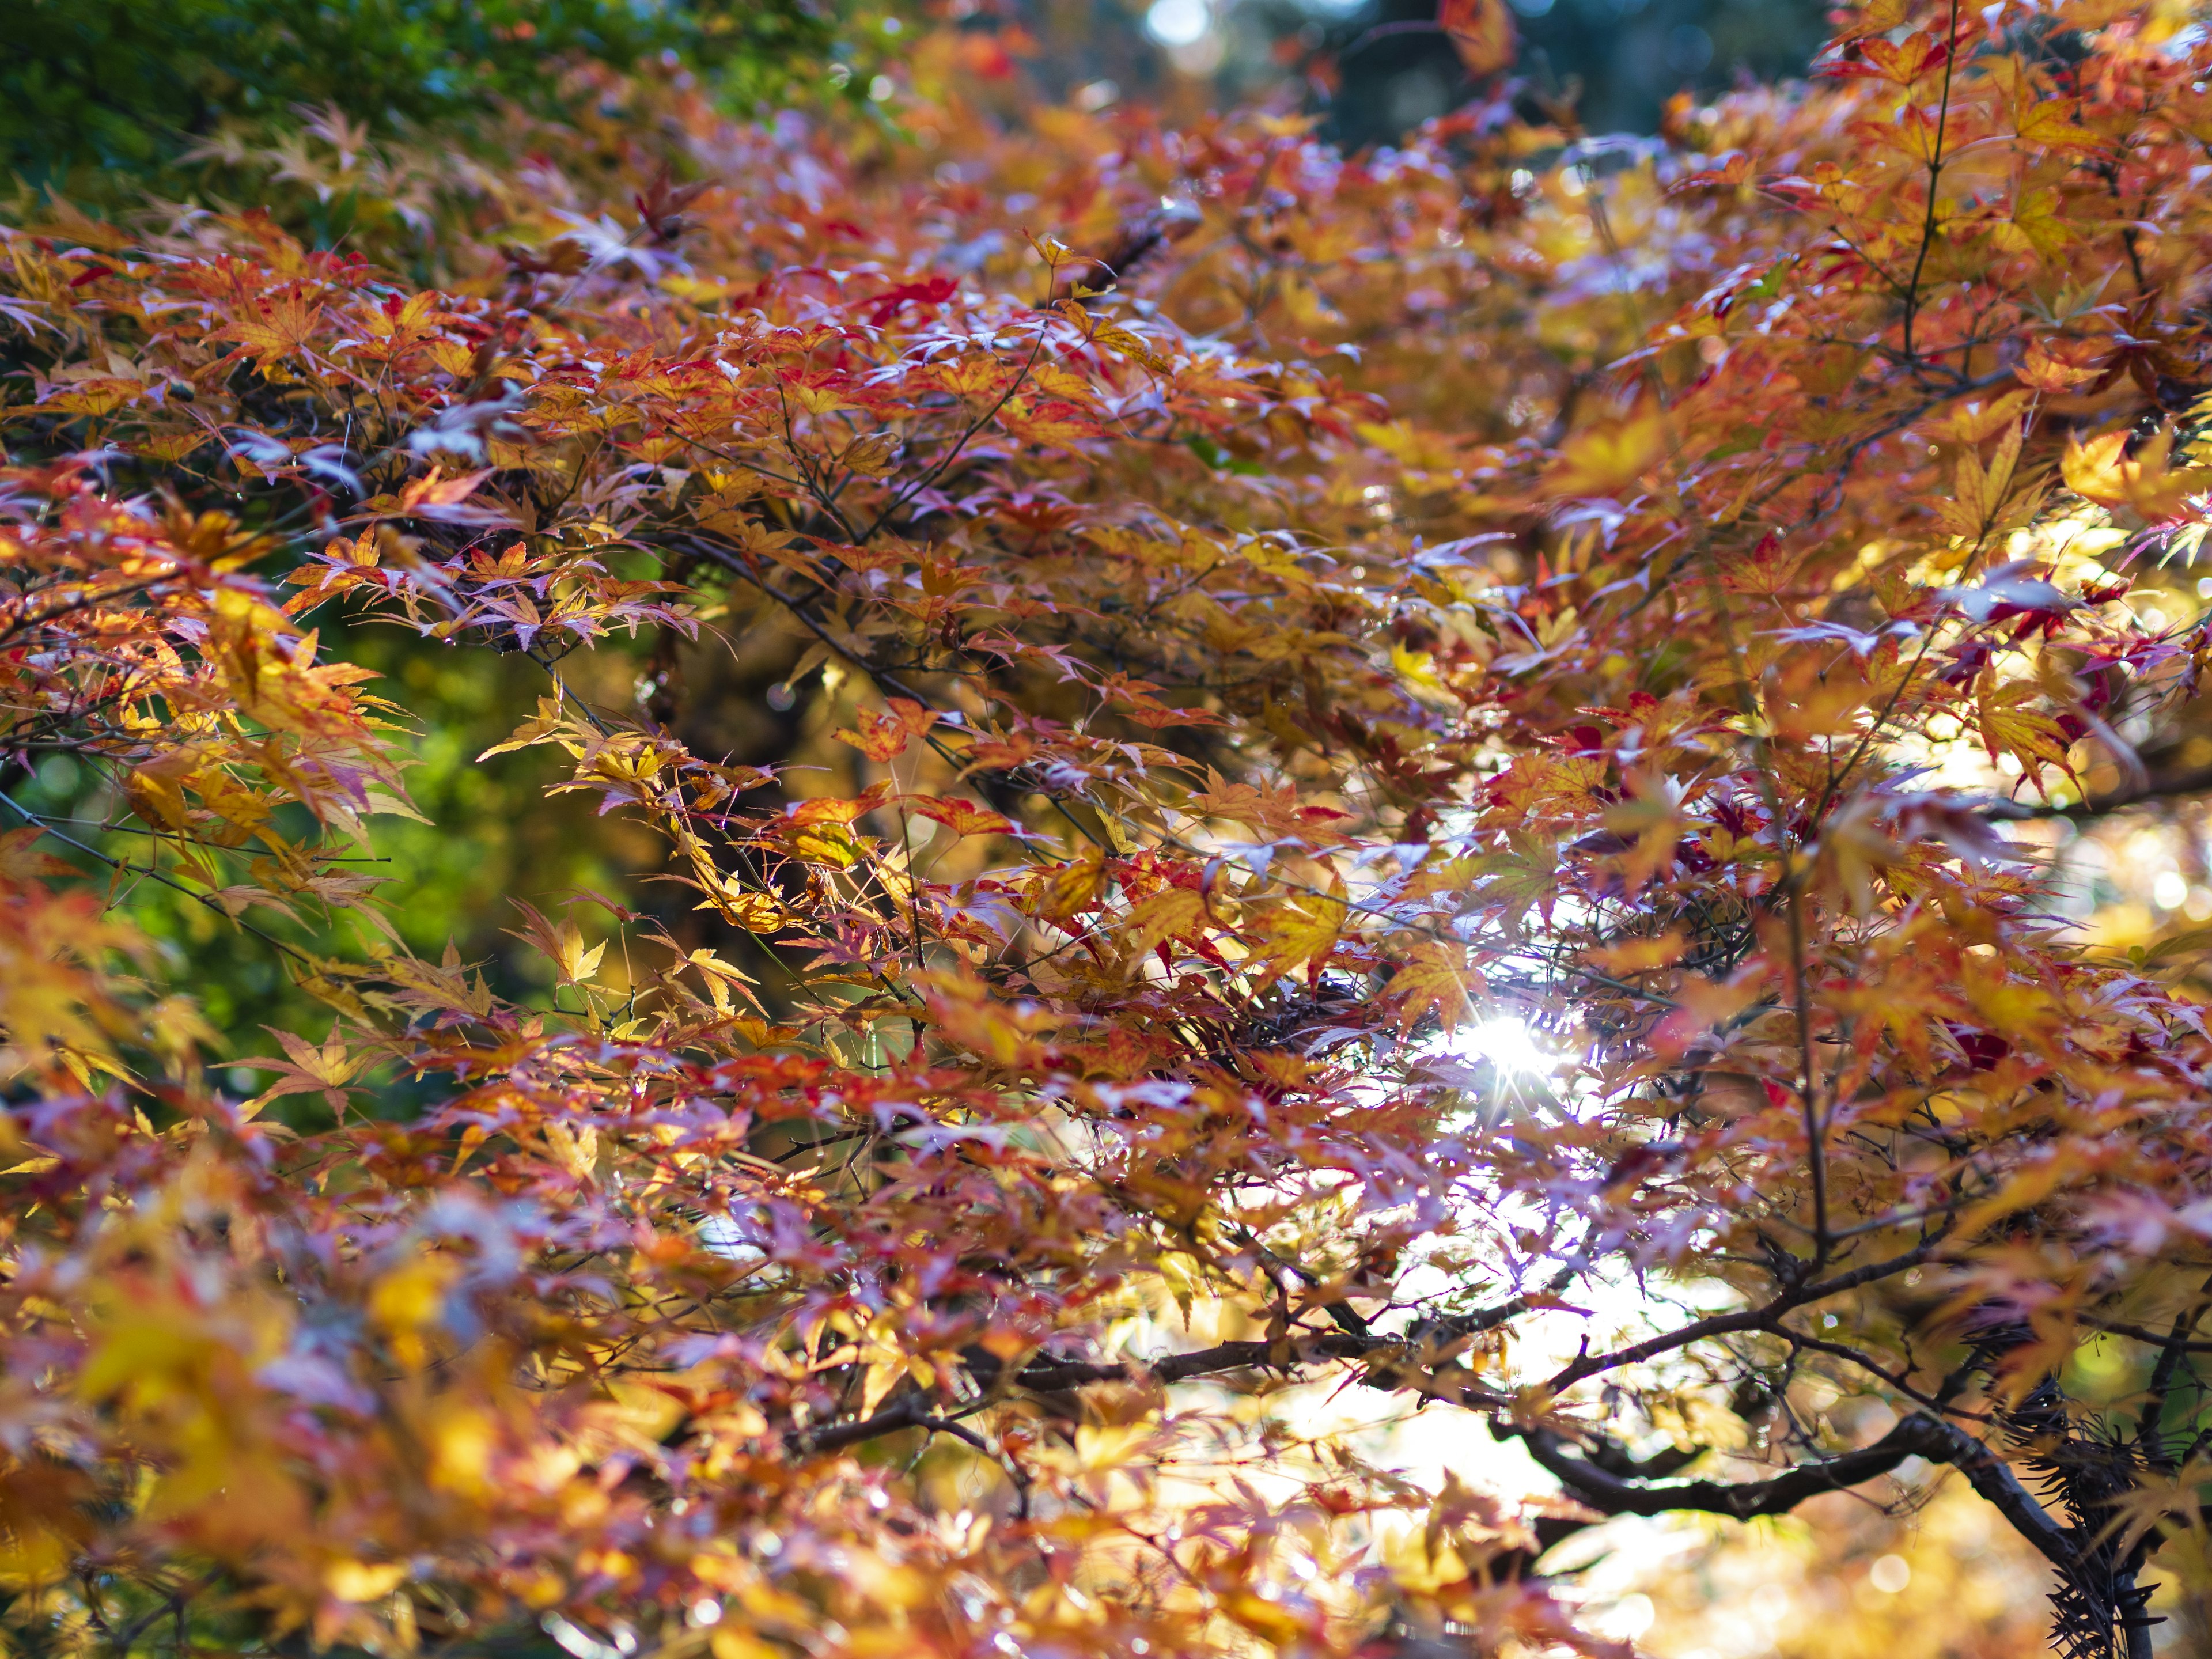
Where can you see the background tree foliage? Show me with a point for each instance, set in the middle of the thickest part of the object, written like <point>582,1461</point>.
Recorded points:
<point>1156,780</point>
<point>90,86</point>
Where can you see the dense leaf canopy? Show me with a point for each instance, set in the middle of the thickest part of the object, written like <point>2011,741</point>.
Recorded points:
<point>1225,776</point>
<point>121,85</point>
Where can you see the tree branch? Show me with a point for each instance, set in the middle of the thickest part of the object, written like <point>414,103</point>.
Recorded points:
<point>2175,786</point>
<point>1917,1436</point>
<point>1761,1318</point>
<point>1618,1494</point>
<point>1050,1375</point>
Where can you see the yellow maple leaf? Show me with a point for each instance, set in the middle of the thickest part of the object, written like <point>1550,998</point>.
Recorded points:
<point>1171,912</point>
<point>1604,460</point>
<point>1299,932</point>
<point>1434,975</point>
<point>2038,224</point>
<point>977,376</point>
<point>2104,471</point>
<point>1481,32</point>
<point>362,1581</point>
<point>279,326</point>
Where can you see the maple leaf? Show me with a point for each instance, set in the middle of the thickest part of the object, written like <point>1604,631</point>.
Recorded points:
<point>562,945</point>
<point>880,736</point>
<point>2059,364</point>
<point>330,1070</point>
<point>1130,345</point>
<point>962,817</point>
<point>1280,809</point>
<point>1915,134</point>
<point>2038,224</point>
<point>1640,956</point>
<point>1434,976</point>
<point>276,326</point>
<point>1065,891</point>
<point>1901,63</point>
<point>1297,934</point>
<point>1054,423</point>
<point>2010,724</point>
<point>977,376</point>
<point>1873,17</point>
<point>1173,913</point>
<point>836,809</point>
<point>1481,33</point>
<point>1983,504</point>
<point>21,858</point>
<point>446,500</point>
<point>1604,460</point>
<point>2105,471</point>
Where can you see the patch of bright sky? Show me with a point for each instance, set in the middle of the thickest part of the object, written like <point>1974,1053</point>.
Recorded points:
<point>1511,1045</point>
<point>1178,23</point>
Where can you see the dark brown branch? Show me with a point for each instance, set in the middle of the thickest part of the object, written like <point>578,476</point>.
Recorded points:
<point>1761,1318</point>
<point>2174,786</point>
<point>1989,1476</point>
<point>1917,1436</point>
<point>2150,1439</point>
<point>1050,1375</point>
<point>1935,180</point>
<point>1618,1494</point>
<point>908,1413</point>
<point>1900,1380</point>
<point>2163,1340</point>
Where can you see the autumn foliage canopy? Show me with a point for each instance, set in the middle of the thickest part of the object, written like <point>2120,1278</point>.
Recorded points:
<point>1227,635</point>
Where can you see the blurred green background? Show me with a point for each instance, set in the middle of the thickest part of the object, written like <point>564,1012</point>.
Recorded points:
<point>90,86</point>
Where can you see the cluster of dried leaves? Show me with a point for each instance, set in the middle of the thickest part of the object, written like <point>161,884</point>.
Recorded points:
<point>1281,613</point>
